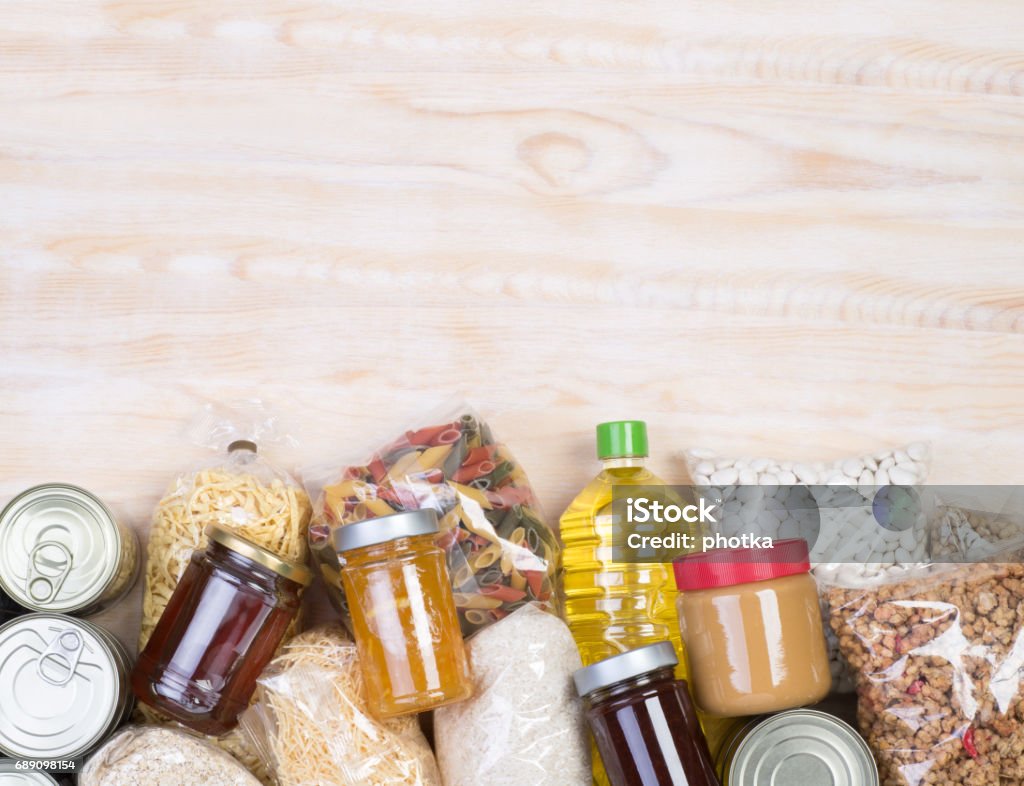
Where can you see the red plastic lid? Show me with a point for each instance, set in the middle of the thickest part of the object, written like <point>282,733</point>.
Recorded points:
<point>728,567</point>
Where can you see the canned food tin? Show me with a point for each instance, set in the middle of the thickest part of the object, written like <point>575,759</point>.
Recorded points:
<point>61,550</point>
<point>807,747</point>
<point>63,686</point>
<point>12,777</point>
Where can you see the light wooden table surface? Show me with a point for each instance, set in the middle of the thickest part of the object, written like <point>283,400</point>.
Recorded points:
<point>792,228</point>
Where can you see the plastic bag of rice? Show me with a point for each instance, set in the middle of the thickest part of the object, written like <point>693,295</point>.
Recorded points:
<point>523,726</point>
<point>155,756</point>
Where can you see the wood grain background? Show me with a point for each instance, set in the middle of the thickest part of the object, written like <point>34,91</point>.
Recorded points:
<point>785,228</point>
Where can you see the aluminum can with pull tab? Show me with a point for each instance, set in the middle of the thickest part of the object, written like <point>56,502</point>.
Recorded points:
<point>11,774</point>
<point>63,687</point>
<point>62,550</point>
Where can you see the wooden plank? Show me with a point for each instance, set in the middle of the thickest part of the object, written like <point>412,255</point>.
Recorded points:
<point>907,45</point>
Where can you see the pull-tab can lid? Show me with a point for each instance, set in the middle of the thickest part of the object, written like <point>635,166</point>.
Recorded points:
<point>60,548</point>
<point>63,686</point>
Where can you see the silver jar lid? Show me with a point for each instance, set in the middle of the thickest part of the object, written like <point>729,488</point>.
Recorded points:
<point>803,746</point>
<point>63,686</point>
<point>625,666</point>
<point>372,532</point>
<point>60,548</point>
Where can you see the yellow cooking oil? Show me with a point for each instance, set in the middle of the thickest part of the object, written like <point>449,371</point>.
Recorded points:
<point>612,607</point>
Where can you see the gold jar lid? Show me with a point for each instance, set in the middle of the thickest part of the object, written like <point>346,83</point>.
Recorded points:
<point>293,571</point>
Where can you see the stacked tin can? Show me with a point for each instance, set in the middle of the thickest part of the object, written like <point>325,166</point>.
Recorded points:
<point>12,774</point>
<point>805,746</point>
<point>64,684</point>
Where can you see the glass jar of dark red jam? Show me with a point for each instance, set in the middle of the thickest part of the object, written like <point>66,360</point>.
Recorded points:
<point>643,721</point>
<point>221,627</point>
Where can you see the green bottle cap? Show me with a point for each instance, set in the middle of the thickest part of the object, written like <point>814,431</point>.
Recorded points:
<point>621,439</point>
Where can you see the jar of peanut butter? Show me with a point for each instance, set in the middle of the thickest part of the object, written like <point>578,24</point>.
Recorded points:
<point>752,631</point>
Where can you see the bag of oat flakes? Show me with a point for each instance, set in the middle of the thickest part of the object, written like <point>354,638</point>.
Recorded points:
<point>938,654</point>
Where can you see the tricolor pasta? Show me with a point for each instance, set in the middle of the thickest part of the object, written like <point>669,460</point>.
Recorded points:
<point>500,553</point>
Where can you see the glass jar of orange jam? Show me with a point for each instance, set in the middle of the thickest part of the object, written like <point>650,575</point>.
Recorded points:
<point>403,613</point>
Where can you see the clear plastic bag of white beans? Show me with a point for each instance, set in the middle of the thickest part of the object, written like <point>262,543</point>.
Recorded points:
<point>311,727</point>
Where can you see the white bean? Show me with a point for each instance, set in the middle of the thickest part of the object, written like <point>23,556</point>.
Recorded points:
<point>749,493</point>
<point>805,474</point>
<point>902,477</point>
<point>724,476</point>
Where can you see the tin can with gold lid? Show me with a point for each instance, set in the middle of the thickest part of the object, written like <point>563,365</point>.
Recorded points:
<point>63,687</point>
<point>62,551</point>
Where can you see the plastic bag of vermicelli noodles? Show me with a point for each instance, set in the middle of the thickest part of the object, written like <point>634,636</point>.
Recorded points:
<point>237,488</point>
<point>311,726</point>
<point>500,552</point>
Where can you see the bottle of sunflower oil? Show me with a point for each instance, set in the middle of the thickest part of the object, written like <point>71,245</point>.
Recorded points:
<point>613,607</point>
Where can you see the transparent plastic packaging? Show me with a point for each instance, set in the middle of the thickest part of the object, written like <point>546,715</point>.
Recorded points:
<point>157,756</point>
<point>938,655</point>
<point>524,725</point>
<point>239,489</point>
<point>959,532</point>
<point>766,506</point>
<point>500,552</point>
<point>311,726</point>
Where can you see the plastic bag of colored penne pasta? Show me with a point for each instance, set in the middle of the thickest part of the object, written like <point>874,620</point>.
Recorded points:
<point>500,553</point>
